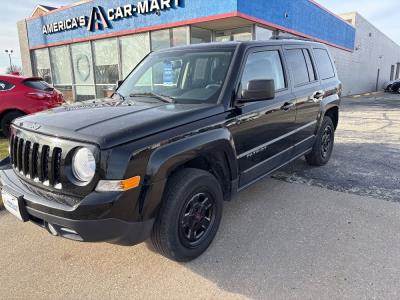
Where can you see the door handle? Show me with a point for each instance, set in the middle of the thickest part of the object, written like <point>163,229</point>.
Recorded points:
<point>318,96</point>
<point>287,106</point>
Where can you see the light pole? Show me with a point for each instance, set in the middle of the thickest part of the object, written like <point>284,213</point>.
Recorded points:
<point>9,52</point>
<point>379,72</point>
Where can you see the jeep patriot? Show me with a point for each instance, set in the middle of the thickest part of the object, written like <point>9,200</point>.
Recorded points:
<point>186,130</point>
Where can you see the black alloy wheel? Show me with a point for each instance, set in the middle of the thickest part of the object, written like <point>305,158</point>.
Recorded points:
<point>323,146</point>
<point>326,141</point>
<point>196,219</point>
<point>189,216</point>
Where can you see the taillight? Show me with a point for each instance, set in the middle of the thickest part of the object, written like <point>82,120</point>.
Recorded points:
<point>39,95</point>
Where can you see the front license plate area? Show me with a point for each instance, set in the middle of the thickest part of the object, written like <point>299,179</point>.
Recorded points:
<point>14,205</point>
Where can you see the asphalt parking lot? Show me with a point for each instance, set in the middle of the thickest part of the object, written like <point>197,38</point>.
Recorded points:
<point>315,233</point>
<point>366,158</point>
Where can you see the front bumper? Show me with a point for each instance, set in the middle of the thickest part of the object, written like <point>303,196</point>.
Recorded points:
<point>99,217</point>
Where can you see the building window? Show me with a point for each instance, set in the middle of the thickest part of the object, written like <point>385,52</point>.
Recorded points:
<point>62,71</point>
<point>105,66</point>
<point>239,34</point>
<point>83,71</point>
<point>133,49</point>
<point>167,38</point>
<point>263,34</point>
<point>42,64</point>
<point>160,39</point>
<point>179,36</point>
<point>200,35</point>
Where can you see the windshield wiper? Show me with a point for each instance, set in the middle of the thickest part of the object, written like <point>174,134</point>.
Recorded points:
<point>154,95</point>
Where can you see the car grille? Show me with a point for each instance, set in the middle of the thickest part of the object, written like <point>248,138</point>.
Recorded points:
<point>41,163</point>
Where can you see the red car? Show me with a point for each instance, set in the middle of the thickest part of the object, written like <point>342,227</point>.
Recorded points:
<point>21,96</point>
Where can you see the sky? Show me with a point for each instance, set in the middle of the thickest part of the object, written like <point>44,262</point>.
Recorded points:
<point>384,14</point>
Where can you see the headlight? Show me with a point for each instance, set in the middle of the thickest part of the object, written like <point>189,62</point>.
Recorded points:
<point>83,165</point>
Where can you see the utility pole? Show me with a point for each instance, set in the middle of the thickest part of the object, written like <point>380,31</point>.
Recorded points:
<point>9,52</point>
<point>379,72</point>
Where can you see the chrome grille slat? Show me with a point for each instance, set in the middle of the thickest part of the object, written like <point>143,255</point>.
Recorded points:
<point>25,157</point>
<point>19,154</point>
<point>40,163</point>
<point>55,166</point>
<point>44,163</point>
<point>33,161</point>
<point>12,148</point>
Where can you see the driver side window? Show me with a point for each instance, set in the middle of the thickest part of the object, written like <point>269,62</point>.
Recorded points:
<point>264,65</point>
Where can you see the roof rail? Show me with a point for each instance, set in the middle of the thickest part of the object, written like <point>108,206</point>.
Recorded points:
<point>289,38</point>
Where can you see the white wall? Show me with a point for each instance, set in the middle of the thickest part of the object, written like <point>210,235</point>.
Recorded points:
<point>358,70</point>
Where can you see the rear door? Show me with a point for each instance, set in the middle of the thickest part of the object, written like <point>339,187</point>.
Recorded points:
<point>308,92</point>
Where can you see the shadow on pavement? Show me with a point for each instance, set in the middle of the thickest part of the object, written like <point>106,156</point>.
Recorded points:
<point>365,169</point>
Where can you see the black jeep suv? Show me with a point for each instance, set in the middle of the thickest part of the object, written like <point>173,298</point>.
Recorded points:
<point>187,129</point>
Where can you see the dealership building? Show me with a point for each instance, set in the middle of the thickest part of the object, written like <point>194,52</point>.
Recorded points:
<point>84,48</point>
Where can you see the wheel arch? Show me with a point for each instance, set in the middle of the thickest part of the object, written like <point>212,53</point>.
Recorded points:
<point>333,113</point>
<point>212,151</point>
<point>214,147</point>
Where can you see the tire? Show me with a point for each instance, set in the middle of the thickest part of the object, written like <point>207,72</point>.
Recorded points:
<point>184,208</point>
<point>6,121</point>
<point>323,145</point>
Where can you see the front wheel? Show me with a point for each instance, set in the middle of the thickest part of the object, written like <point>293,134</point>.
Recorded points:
<point>323,145</point>
<point>189,216</point>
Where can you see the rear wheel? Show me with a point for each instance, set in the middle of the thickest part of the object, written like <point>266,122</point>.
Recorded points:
<point>6,121</point>
<point>323,146</point>
<point>189,216</point>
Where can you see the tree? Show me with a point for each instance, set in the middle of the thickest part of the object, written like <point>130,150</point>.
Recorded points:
<point>14,69</point>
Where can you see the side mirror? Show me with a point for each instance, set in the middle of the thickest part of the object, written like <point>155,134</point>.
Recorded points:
<point>119,83</point>
<point>258,90</point>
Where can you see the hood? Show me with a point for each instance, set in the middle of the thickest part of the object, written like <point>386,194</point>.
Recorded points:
<point>110,122</point>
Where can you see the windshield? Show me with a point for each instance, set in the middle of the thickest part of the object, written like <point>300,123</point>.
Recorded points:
<point>184,76</point>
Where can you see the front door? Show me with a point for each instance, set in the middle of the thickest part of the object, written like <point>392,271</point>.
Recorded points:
<point>261,130</point>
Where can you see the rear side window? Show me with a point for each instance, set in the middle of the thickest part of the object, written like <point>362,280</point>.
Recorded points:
<point>298,65</point>
<point>324,63</point>
<point>5,86</point>
<point>311,70</point>
<point>38,85</point>
<point>264,65</point>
